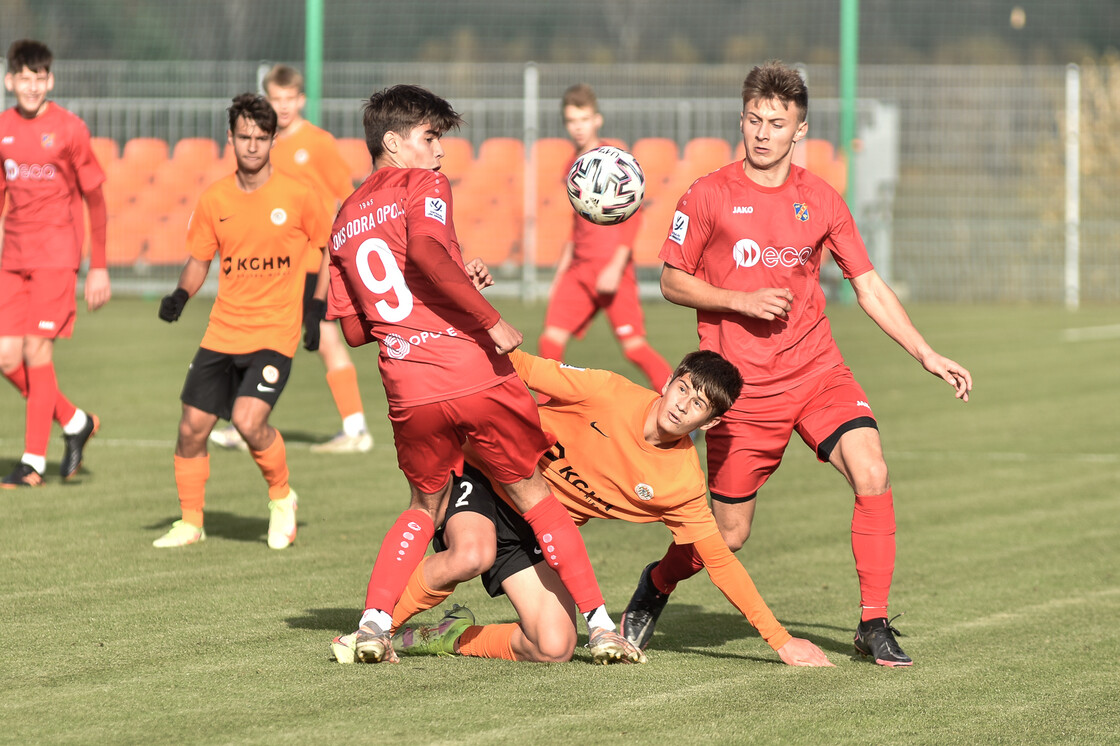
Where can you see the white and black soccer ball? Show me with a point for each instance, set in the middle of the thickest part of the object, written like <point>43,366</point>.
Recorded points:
<point>606,185</point>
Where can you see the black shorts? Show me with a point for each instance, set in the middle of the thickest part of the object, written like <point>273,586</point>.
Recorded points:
<point>216,379</point>
<point>517,547</point>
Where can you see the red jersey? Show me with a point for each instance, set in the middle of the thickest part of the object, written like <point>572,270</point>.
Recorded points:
<point>430,348</point>
<point>736,234</point>
<point>48,165</point>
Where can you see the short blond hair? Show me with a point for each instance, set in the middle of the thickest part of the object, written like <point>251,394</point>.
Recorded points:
<point>283,76</point>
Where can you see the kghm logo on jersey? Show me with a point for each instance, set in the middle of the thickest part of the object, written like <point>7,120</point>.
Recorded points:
<point>801,211</point>
<point>270,264</point>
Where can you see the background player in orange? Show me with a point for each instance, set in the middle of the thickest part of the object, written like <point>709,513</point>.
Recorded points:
<point>621,451</point>
<point>262,224</point>
<point>49,169</point>
<point>309,154</point>
<point>596,269</point>
<point>745,251</point>
<point>398,277</point>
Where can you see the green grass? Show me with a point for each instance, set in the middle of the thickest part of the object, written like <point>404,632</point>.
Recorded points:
<point>1008,523</point>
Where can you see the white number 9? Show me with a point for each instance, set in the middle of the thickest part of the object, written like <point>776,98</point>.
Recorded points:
<point>394,279</point>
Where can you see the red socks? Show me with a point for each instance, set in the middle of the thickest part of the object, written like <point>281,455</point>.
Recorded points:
<point>565,551</point>
<point>42,390</point>
<point>873,547</point>
<point>680,562</point>
<point>549,349</point>
<point>401,551</point>
<point>651,363</point>
<point>63,409</point>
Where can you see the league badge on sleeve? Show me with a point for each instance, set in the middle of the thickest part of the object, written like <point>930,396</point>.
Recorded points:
<point>435,208</point>
<point>680,227</point>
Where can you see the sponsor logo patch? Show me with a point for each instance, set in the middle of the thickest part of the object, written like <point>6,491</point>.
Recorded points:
<point>680,228</point>
<point>435,208</point>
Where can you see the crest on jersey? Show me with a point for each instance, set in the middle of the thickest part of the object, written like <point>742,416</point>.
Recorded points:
<point>47,139</point>
<point>302,156</point>
<point>279,217</point>
<point>643,491</point>
<point>396,347</point>
<point>801,211</point>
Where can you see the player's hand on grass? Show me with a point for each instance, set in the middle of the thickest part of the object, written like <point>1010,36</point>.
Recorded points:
<point>953,373</point>
<point>171,307</point>
<point>98,291</point>
<point>506,338</point>
<point>479,274</point>
<point>313,314</point>
<point>799,652</point>
<point>766,303</point>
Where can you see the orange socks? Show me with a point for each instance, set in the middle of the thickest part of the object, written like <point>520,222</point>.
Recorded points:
<point>190,479</point>
<point>417,597</point>
<point>491,641</point>
<point>273,463</point>
<point>343,384</point>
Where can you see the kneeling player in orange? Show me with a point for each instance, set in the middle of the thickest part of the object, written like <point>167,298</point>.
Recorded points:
<point>262,224</point>
<point>621,451</point>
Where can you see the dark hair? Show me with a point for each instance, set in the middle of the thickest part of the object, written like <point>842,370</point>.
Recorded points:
<point>775,81</point>
<point>283,76</point>
<point>255,108</point>
<point>714,377</point>
<point>401,109</point>
<point>580,95</point>
<point>34,55</point>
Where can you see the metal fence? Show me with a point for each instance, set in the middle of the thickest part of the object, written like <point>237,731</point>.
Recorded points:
<point>970,207</point>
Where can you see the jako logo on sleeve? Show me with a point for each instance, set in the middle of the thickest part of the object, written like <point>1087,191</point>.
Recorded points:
<point>680,227</point>
<point>435,208</point>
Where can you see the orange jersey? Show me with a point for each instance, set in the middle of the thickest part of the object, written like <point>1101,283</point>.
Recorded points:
<point>263,238</point>
<point>310,156</point>
<point>602,467</point>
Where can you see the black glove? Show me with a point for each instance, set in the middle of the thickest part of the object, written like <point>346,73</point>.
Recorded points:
<point>313,314</point>
<point>171,307</point>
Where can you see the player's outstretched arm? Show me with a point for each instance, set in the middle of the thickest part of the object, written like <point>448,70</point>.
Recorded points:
<point>801,652</point>
<point>880,303</point>
<point>688,290</point>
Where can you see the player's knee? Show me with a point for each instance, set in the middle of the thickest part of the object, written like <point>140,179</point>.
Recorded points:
<point>872,479</point>
<point>736,536</point>
<point>556,646</point>
<point>471,560</point>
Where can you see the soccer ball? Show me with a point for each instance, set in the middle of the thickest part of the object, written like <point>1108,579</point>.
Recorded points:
<point>606,185</point>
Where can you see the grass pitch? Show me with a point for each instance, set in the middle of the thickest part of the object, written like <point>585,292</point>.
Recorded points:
<point>1008,524</point>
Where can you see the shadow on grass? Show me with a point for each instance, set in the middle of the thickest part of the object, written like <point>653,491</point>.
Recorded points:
<point>302,436</point>
<point>343,620</point>
<point>222,524</point>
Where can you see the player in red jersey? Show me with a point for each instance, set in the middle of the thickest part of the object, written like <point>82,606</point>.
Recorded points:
<point>621,451</point>
<point>745,250</point>
<point>596,268</point>
<point>261,225</point>
<point>310,155</point>
<point>49,169</point>
<point>398,277</point>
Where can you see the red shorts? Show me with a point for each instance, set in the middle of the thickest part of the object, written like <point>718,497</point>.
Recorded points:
<point>501,424</point>
<point>745,448</point>
<point>574,304</point>
<point>37,302</point>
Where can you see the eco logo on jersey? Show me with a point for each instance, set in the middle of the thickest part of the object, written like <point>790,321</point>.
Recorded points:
<point>747,253</point>
<point>801,211</point>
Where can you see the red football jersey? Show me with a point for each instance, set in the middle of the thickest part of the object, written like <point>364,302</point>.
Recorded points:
<point>48,164</point>
<point>739,235</point>
<point>431,349</point>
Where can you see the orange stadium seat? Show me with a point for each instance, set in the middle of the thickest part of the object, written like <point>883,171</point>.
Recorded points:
<point>553,154</point>
<point>148,150</point>
<point>702,155</point>
<point>126,237</point>
<point>458,158</point>
<point>194,154</point>
<point>105,149</point>
<point>356,155</point>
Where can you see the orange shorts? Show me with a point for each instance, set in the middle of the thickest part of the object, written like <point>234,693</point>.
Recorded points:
<point>37,302</point>
<point>746,447</point>
<point>500,422</point>
<point>575,303</point>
